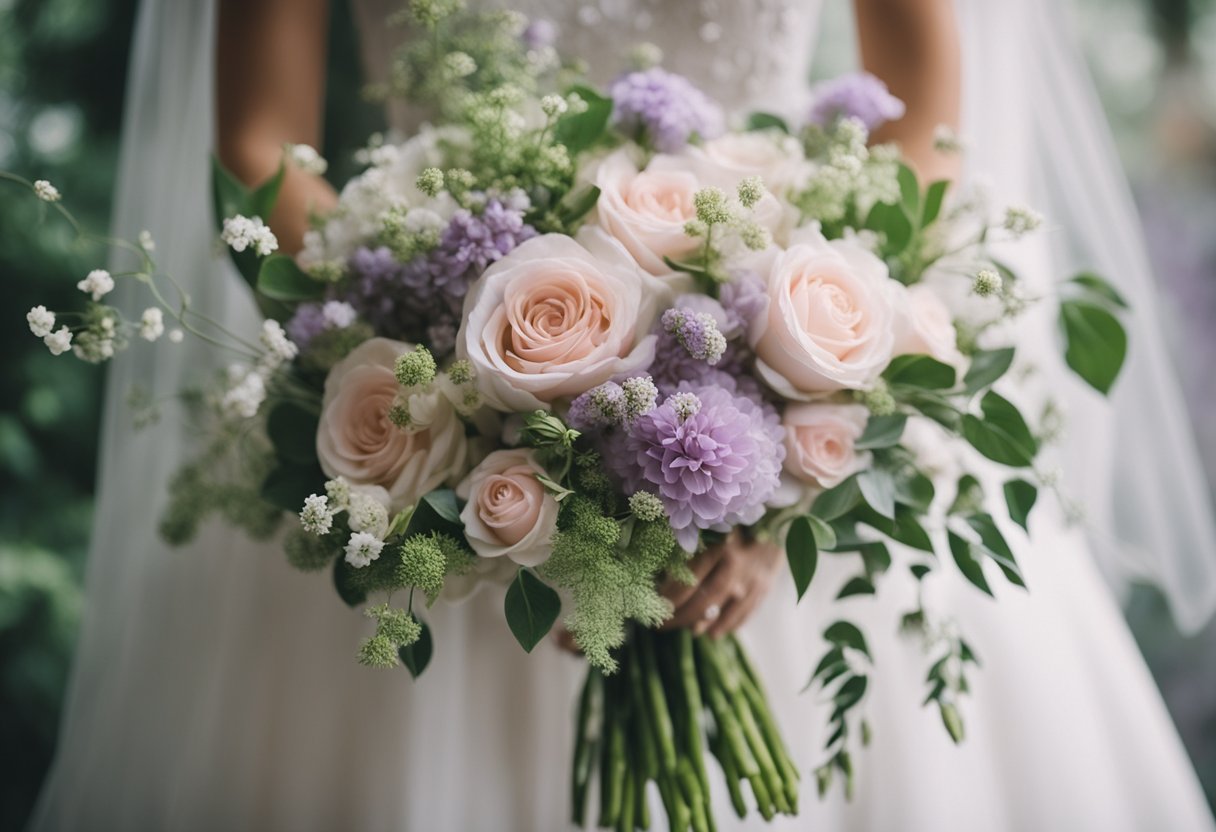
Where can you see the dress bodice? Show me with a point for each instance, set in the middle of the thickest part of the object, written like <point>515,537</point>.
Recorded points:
<point>747,54</point>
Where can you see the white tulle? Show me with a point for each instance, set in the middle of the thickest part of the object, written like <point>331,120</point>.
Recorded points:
<point>215,688</point>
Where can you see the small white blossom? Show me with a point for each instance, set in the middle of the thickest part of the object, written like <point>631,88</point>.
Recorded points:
<point>306,158</point>
<point>41,321</point>
<point>362,549</point>
<point>316,517</point>
<point>686,405</point>
<point>460,64</point>
<point>338,314</point>
<point>46,191</point>
<point>245,396</point>
<point>338,491</point>
<point>176,336</point>
<point>275,340</point>
<point>945,140</point>
<point>151,324</point>
<point>1021,220</point>
<point>242,232</point>
<point>59,342</point>
<point>553,105</point>
<point>146,242</point>
<point>97,283</point>
<point>987,283</point>
<point>367,514</point>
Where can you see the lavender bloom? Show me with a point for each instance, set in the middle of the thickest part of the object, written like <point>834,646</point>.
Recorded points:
<point>311,319</point>
<point>713,457</point>
<point>744,300</point>
<point>539,34</point>
<point>858,95</point>
<point>676,363</point>
<point>667,107</point>
<point>599,407</point>
<point>696,332</point>
<point>422,300</point>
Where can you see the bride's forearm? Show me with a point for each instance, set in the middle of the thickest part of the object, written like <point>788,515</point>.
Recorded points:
<point>913,46</point>
<point>270,88</point>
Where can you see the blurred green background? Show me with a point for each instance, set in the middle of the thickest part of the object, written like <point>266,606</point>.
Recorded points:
<point>62,78</point>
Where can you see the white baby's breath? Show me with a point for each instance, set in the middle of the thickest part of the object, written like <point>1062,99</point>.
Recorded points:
<point>97,284</point>
<point>362,549</point>
<point>241,232</point>
<point>46,191</point>
<point>59,342</point>
<point>146,242</point>
<point>41,321</point>
<point>316,517</point>
<point>338,314</point>
<point>151,324</point>
<point>246,395</point>
<point>176,336</point>
<point>306,158</point>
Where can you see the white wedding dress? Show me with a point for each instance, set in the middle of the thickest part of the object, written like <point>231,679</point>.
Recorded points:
<point>215,688</point>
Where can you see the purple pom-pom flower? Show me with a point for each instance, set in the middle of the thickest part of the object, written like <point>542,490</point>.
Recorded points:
<point>666,107</point>
<point>857,95</point>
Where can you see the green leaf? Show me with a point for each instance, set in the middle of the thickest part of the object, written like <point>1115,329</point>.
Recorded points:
<point>909,190</point>
<point>856,586</point>
<point>875,557</point>
<point>695,269</point>
<point>766,121</point>
<point>346,583</point>
<point>1002,435</point>
<point>825,535</point>
<point>995,547</point>
<point>437,511</point>
<point>281,279</point>
<point>952,720</point>
<point>919,570</point>
<point>1099,287</point>
<point>893,224</point>
<point>229,195</point>
<point>1020,497</point>
<point>293,432</point>
<point>964,556</point>
<point>1095,343</point>
<point>920,371</point>
<point>935,195</point>
<point>986,367</point>
<point>577,204</point>
<point>262,200</point>
<point>850,693</point>
<point>417,656</point>
<point>830,658</point>
<point>914,489</point>
<point>846,634</point>
<point>878,487</point>
<point>802,553</point>
<point>908,531</point>
<point>580,131</point>
<point>837,501</point>
<point>882,432</point>
<point>531,608</point>
<point>287,485</point>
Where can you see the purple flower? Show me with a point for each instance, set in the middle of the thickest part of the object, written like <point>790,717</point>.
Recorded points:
<point>858,95</point>
<point>311,319</point>
<point>666,107</point>
<point>712,456</point>
<point>539,34</point>
<point>744,300</point>
<point>422,300</point>
<point>696,332</point>
<point>681,361</point>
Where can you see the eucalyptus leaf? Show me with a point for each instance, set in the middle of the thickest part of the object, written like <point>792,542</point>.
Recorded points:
<point>878,488</point>
<point>1099,287</point>
<point>995,546</point>
<point>856,586</point>
<point>417,656</point>
<point>1020,497</point>
<point>891,222</point>
<point>935,195</point>
<point>964,557</point>
<point>909,190</point>
<point>579,131</point>
<point>766,121</point>
<point>1095,343</point>
<point>1002,435</point>
<point>882,432</point>
<point>914,489</point>
<point>802,553</point>
<point>986,367</point>
<point>920,371</point>
<point>837,501</point>
<point>531,608</point>
<point>825,535</point>
<point>846,634</point>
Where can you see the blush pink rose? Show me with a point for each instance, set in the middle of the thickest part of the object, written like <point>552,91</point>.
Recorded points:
<point>556,317</point>
<point>509,513</point>
<point>830,322</point>
<point>775,158</point>
<point>356,439</point>
<point>819,442</point>
<point>646,210</point>
<point>926,326</point>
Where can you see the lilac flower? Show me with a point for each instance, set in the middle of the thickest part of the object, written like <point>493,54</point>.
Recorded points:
<point>744,300</point>
<point>539,34</point>
<point>311,319</point>
<point>682,353</point>
<point>713,456</point>
<point>696,332</point>
<point>599,407</point>
<point>422,300</point>
<point>858,95</point>
<point>666,106</point>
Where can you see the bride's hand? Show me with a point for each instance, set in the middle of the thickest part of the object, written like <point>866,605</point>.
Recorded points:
<point>732,579</point>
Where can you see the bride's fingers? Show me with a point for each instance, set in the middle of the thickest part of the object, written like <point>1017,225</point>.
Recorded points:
<point>701,565</point>
<point>706,603</point>
<point>735,614</point>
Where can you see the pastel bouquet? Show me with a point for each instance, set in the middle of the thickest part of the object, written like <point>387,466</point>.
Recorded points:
<point>563,338</point>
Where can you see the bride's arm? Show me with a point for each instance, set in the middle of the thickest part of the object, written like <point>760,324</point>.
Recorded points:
<point>270,89</point>
<point>912,45</point>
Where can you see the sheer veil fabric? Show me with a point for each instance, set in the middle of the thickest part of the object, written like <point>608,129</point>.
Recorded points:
<point>215,688</point>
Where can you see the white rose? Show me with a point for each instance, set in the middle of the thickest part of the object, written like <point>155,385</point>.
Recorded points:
<point>356,439</point>
<point>556,317</point>
<point>509,513</point>
<point>830,321</point>
<point>925,326</point>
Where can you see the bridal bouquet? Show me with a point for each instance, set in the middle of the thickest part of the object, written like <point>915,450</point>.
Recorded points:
<point>563,338</point>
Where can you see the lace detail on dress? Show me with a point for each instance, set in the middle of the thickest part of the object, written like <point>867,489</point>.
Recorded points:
<point>747,54</point>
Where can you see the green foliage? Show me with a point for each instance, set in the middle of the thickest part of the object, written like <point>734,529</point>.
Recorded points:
<point>279,278</point>
<point>1001,434</point>
<point>421,564</point>
<point>308,552</point>
<point>802,552</point>
<point>531,608</point>
<point>417,655</point>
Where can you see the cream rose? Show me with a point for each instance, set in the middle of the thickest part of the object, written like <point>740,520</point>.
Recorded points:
<point>646,211</point>
<point>357,440</point>
<point>775,158</point>
<point>509,513</point>
<point>830,319</point>
<point>819,442</point>
<point>925,326</point>
<point>556,317</point>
